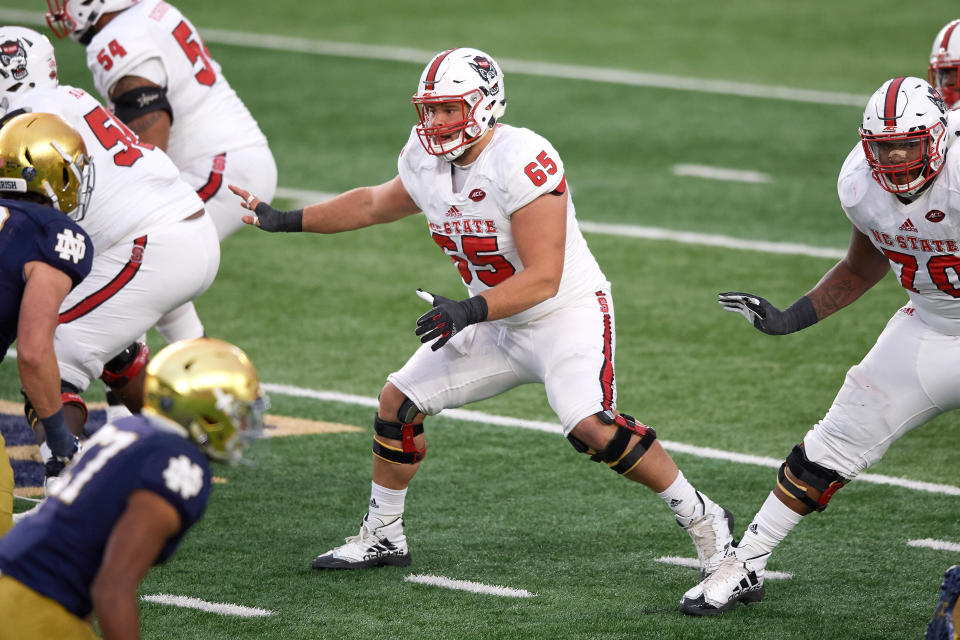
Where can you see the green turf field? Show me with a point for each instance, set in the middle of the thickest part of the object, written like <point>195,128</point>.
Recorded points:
<point>505,506</point>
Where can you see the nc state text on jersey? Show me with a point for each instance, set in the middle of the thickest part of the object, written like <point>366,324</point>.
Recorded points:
<point>928,245</point>
<point>457,227</point>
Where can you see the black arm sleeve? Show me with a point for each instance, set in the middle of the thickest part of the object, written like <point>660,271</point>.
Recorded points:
<point>141,101</point>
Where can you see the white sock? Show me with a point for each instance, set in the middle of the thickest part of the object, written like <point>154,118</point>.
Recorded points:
<point>770,526</point>
<point>682,498</point>
<point>386,505</point>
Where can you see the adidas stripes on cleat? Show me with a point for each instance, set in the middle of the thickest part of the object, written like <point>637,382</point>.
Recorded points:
<point>734,581</point>
<point>373,547</point>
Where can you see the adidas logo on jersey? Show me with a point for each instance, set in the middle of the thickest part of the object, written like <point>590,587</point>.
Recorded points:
<point>908,227</point>
<point>453,212</point>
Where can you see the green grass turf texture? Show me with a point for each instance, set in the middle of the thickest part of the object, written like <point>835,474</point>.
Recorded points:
<point>520,509</point>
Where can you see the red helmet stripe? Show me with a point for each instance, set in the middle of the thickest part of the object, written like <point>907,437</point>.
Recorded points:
<point>948,33</point>
<point>890,104</point>
<point>432,73</point>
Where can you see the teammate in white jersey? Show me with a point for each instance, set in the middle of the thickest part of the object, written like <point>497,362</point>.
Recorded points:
<point>944,74</point>
<point>156,75</point>
<point>496,202</point>
<point>901,191</point>
<point>155,247</point>
<point>944,69</point>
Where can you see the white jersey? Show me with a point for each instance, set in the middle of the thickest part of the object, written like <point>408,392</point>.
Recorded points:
<point>208,117</point>
<point>921,239</point>
<point>953,124</point>
<point>136,186</point>
<point>473,226</point>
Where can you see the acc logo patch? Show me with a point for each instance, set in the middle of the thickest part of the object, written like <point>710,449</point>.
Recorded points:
<point>935,215</point>
<point>477,195</point>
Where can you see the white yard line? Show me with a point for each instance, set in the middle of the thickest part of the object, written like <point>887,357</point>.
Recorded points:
<point>221,608</point>
<point>274,42</point>
<point>303,197</point>
<point>930,543</point>
<point>468,415</point>
<point>695,564</point>
<point>720,173</point>
<point>466,585</point>
<point>550,427</point>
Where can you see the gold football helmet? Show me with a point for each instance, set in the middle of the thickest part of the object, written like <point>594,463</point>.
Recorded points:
<point>209,387</point>
<point>41,154</point>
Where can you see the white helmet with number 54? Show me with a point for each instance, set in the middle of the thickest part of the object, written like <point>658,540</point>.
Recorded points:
<point>468,80</point>
<point>904,135</point>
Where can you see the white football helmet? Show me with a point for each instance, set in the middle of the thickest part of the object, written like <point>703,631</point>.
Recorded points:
<point>471,79</point>
<point>27,62</point>
<point>944,71</point>
<point>904,134</point>
<point>75,18</point>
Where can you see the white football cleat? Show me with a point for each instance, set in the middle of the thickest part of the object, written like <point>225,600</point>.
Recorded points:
<point>372,547</point>
<point>711,532</point>
<point>734,581</point>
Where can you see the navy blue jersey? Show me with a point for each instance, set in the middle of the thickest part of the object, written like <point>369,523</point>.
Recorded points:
<point>34,232</point>
<point>57,550</point>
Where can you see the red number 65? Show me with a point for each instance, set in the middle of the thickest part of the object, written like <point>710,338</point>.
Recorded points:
<point>536,175</point>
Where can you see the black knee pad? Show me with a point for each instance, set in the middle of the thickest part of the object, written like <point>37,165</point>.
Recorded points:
<point>404,431</point>
<point>615,454</point>
<point>125,366</point>
<point>826,481</point>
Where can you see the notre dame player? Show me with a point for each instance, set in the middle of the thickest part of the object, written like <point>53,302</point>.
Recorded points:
<point>126,501</point>
<point>44,174</point>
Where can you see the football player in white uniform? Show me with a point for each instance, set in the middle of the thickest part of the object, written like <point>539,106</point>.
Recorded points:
<point>156,75</point>
<point>901,191</point>
<point>155,247</point>
<point>944,69</point>
<point>944,74</point>
<point>496,202</point>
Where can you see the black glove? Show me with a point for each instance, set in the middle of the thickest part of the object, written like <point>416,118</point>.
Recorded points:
<point>766,317</point>
<point>271,219</point>
<point>448,317</point>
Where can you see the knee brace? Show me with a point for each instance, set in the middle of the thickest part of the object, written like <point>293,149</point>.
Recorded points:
<point>404,431</point>
<point>812,475</point>
<point>126,365</point>
<point>616,454</point>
